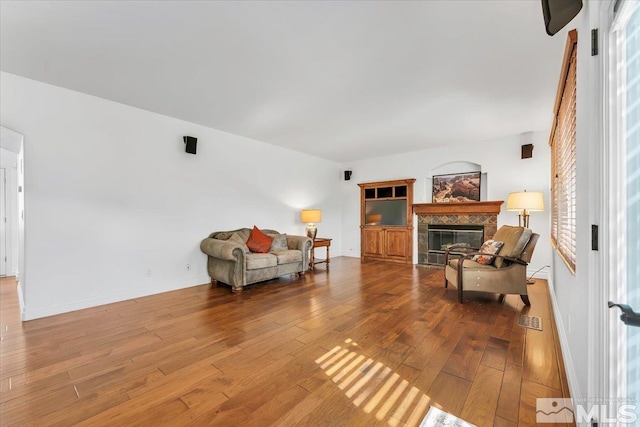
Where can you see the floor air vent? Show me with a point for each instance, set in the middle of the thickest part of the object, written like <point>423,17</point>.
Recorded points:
<point>531,322</point>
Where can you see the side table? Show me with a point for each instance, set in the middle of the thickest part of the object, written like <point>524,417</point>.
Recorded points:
<point>319,243</point>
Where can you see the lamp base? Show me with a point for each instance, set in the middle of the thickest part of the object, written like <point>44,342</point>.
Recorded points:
<point>523,220</point>
<point>312,232</point>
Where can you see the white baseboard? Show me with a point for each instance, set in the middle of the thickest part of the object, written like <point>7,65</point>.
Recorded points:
<point>538,272</point>
<point>572,378</point>
<point>30,313</point>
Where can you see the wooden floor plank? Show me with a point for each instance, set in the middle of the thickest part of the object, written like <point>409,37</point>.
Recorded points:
<point>509,401</point>
<point>481,403</point>
<point>540,363</point>
<point>18,412</point>
<point>92,404</point>
<point>371,344</point>
<point>532,391</point>
<point>515,353</point>
<point>306,405</point>
<point>466,357</point>
<point>495,353</point>
<point>449,392</point>
<point>422,353</point>
<point>501,422</point>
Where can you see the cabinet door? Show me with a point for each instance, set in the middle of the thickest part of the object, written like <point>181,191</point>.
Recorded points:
<point>397,243</point>
<point>373,239</point>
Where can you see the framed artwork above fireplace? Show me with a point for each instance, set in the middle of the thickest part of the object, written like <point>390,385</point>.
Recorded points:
<point>456,188</point>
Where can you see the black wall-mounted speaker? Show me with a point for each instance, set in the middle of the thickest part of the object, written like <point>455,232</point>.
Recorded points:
<point>558,13</point>
<point>527,151</point>
<point>191,143</point>
<point>347,175</point>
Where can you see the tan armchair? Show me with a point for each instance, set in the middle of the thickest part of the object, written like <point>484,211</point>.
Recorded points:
<point>507,274</point>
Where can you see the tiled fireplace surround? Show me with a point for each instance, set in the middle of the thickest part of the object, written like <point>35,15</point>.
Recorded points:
<point>471,213</point>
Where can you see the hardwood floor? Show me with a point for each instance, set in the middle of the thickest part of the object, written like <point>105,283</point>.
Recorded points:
<point>364,344</point>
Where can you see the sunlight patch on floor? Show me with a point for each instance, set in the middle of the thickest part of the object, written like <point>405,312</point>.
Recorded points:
<point>371,385</point>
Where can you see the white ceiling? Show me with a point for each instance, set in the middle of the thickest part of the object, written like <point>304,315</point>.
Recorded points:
<point>341,80</point>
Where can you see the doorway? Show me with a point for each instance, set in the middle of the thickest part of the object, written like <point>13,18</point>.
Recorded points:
<point>12,211</point>
<point>3,222</point>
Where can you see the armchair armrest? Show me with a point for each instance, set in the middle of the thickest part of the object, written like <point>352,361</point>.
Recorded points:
<point>472,254</point>
<point>511,259</point>
<point>222,249</point>
<point>454,247</point>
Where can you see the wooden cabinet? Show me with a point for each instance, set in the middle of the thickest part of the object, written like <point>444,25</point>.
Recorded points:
<point>389,243</point>
<point>372,241</point>
<point>398,244</point>
<point>386,220</point>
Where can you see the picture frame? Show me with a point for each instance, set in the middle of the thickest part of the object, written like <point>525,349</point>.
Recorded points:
<point>456,187</point>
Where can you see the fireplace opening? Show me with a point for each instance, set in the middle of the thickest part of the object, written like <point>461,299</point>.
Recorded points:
<point>442,236</point>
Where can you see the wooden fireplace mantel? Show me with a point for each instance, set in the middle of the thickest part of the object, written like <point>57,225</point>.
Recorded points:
<point>473,208</point>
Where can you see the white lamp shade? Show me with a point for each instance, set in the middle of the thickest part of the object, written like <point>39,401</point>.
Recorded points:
<point>374,218</point>
<point>531,201</point>
<point>311,216</point>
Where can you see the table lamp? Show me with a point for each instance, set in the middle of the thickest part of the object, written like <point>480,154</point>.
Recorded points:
<point>311,217</point>
<point>525,202</point>
<point>374,219</point>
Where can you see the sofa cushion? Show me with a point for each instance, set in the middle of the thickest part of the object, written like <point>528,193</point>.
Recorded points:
<point>514,238</point>
<point>490,247</point>
<point>288,256</point>
<point>256,261</point>
<point>225,235</point>
<point>258,241</point>
<point>279,242</point>
<point>235,237</point>
<point>522,242</point>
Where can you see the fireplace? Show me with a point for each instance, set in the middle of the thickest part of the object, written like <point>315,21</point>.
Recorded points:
<point>441,224</point>
<point>441,237</point>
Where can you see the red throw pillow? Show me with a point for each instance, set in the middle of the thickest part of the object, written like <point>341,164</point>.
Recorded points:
<point>258,241</point>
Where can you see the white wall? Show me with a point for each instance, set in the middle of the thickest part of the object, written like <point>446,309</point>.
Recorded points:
<point>500,160</point>
<point>581,335</point>
<point>110,193</point>
<point>9,162</point>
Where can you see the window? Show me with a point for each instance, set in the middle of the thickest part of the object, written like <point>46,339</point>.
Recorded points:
<point>563,158</point>
<point>632,184</point>
<point>624,143</point>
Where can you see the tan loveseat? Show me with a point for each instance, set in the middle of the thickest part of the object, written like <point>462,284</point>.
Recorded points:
<point>231,262</point>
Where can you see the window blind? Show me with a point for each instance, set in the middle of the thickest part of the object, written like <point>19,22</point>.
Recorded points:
<point>563,158</point>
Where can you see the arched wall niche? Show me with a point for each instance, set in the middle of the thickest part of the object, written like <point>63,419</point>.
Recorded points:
<point>460,167</point>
